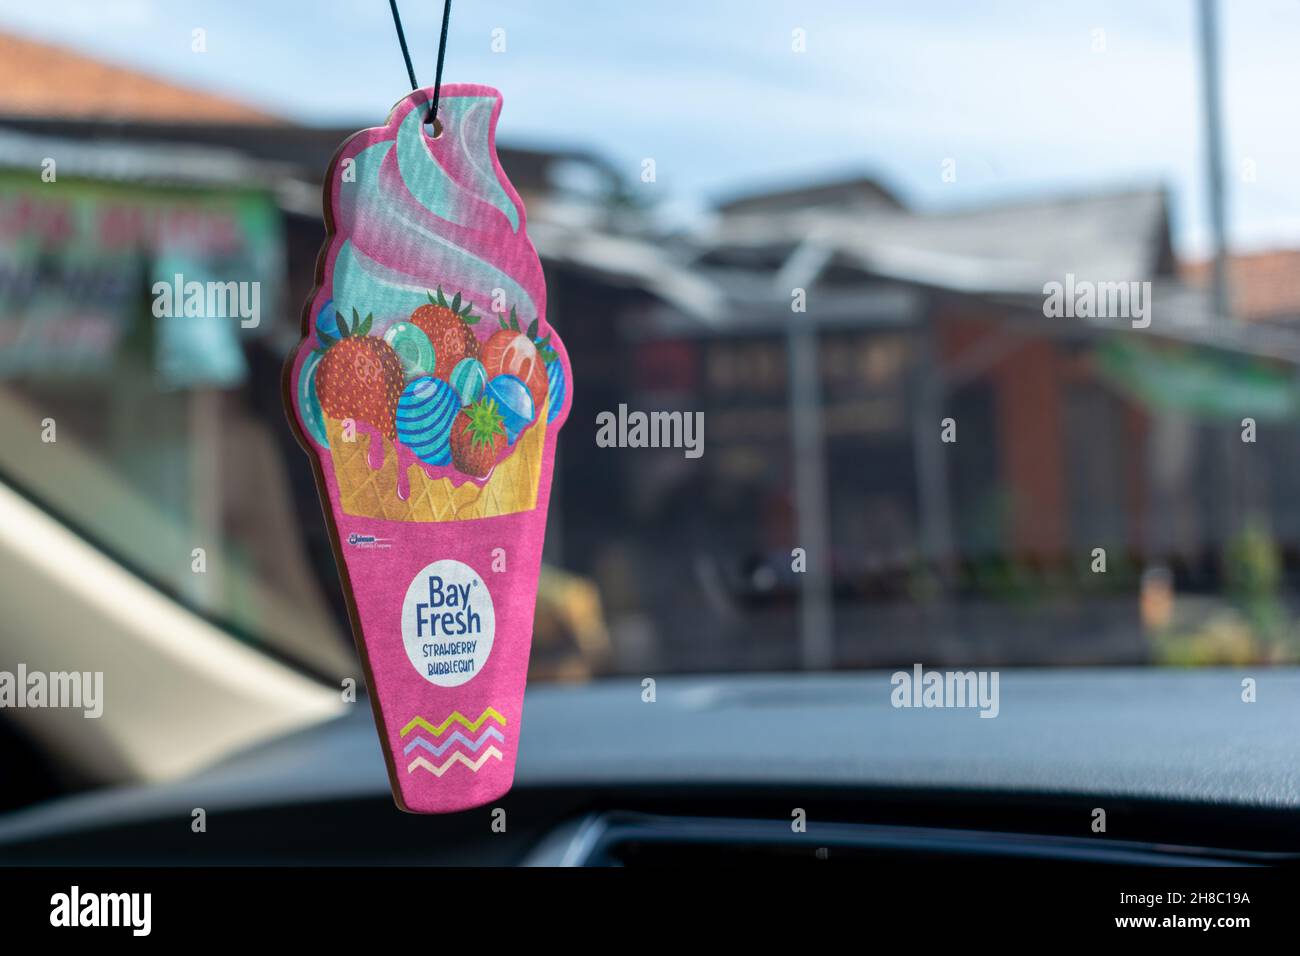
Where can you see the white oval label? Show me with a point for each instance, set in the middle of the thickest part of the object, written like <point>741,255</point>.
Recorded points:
<point>448,623</point>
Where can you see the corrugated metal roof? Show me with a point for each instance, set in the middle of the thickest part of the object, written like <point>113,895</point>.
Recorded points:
<point>1004,248</point>
<point>145,164</point>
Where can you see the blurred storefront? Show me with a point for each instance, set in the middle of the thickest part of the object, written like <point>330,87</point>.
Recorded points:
<point>827,333</point>
<point>1068,435</point>
<point>118,193</point>
<point>162,461</point>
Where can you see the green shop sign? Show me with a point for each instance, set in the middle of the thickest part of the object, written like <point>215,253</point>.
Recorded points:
<point>1201,381</point>
<point>80,263</point>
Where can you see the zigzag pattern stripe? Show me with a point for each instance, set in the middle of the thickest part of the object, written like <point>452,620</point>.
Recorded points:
<point>456,717</point>
<point>442,748</point>
<point>457,757</point>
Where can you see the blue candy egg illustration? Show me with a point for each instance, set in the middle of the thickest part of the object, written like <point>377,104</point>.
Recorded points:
<point>469,378</point>
<point>327,321</point>
<point>514,401</point>
<point>425,412</point>
<point>309,402</point>
<point>554,390</point>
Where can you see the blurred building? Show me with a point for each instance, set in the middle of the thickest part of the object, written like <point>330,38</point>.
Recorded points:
<point>111,181</point>
<point>1265,286</point>
<point>1071,433</point>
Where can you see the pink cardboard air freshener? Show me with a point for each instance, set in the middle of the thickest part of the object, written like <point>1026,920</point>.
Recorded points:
<point>429,391</point>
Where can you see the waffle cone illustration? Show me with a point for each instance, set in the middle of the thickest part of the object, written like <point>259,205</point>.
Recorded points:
<point>429,392</point>
<point>372,493</point>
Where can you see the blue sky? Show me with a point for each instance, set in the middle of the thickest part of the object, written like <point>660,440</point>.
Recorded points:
<point>1014,92</point>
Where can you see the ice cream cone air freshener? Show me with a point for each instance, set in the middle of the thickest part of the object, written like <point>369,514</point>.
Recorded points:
<point>429,391</point>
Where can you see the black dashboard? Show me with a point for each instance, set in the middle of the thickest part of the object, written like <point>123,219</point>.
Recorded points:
<point>1174,765</point>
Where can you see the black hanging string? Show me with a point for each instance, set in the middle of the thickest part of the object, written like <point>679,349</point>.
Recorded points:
<point>442,52</point>
<point>401,39</point>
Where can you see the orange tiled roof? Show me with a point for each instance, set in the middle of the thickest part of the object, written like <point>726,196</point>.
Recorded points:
<point>37,79</point>
<point>1264,285</point>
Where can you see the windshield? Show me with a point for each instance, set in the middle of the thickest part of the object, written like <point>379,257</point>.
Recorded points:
<point>897,335</point>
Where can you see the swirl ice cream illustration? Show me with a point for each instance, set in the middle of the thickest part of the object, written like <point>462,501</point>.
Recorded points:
<point>429,390</point>
<point>429,265</point>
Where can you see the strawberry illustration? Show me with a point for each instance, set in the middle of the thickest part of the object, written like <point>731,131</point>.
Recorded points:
<point>359,376</point>
<point>477,436</point>
<point>512,351</point>
<point>447,325</point>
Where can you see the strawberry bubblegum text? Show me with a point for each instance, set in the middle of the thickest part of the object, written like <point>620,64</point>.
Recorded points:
<point>447,613</point>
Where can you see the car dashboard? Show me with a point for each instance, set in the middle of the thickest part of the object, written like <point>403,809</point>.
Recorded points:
<point>1088,767</point>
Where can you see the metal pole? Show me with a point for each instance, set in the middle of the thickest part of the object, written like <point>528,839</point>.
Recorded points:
<point>816,625</point>
<point>933,491</point>
<point>1212,115</point>
<point>206,495</point>
<point>1225,442</point>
